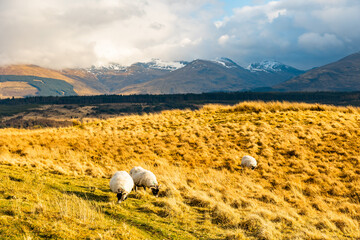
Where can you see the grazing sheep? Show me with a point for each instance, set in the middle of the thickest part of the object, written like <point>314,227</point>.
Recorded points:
<point>144,178</point>
<point>121,184</point>
<point>248,161</point>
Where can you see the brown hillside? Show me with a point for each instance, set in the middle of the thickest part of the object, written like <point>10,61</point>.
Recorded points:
<point>87,78</point>
<point>16,89</point>
<point>33,70</point>
<point>342,75</point>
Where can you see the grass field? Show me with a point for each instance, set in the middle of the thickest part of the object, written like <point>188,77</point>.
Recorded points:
<point>54,182</point>
<point>8,110</point>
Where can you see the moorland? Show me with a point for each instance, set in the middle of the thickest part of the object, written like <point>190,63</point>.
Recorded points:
<point>54,181</point>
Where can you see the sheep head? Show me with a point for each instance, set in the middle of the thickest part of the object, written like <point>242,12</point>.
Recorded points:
<point>155,190</point>
<point>122,196</point>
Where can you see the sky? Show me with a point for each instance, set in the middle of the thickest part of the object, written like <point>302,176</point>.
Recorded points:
<point>82,33</point>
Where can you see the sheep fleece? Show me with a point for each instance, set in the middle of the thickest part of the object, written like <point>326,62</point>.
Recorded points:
<point>248,161</point>
<point>121,181</point>
<point>143,177</point>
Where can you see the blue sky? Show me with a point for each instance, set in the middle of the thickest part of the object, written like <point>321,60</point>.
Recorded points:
<point>229,5</point>
<point>81,33</point>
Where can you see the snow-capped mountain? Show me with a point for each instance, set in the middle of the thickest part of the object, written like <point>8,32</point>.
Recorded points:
<point>157,76</point>
<point>153,64</point>
<point>273,72</point>
<point>268,66</point>
<point>196,77</point>
<point>226,62</point>
<point>165,65</point>
<point>106,68</point>
<point>163,77</point>
<point>114,76</point>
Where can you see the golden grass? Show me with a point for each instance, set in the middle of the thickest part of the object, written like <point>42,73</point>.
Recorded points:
<point>16,89</point>
<point>307,185</point>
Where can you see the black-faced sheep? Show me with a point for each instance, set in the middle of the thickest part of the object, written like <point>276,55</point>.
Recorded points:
<point>248,161</point>
<point>144,178</point>
<point>121,184</point>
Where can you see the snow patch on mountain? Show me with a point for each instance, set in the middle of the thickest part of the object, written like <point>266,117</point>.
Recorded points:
<point>266,66</point>
<point>164,65</point>
<point>111,67</point>
<point>116,67</point>
<point>153,64</point>
<point>226,62</point>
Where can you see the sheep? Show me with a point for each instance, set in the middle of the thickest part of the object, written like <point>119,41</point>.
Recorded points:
<point>248,161</point>
<point>121,184</point>
<point>144,178</point>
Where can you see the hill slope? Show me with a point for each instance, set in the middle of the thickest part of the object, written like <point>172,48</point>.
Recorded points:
<point>343,75</point>
<point>43,86</point>
<point>306,185</point>
<point>212,76</point>
<point>273,72</point>
<point>111,79</point>
<point>150,77</point>
<point>26,71</point>
<point>197,77</point>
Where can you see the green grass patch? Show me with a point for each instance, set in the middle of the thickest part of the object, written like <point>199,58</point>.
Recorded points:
<point>37,204</point>
<point>9,110</point>
<point>45,86</point>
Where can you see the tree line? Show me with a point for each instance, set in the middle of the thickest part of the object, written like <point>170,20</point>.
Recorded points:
<point>334,98</point>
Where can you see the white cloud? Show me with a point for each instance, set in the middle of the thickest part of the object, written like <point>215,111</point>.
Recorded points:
<point>316,42</point>
<point>275,14</point>
<point>223,39</point>
<point>282,29</point>
<point>68,33</point>
<point>62,32</point>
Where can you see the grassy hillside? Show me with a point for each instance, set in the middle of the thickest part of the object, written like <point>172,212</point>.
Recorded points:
<point>16,89</point>
<point>44,86</point>
<point>54,182</point>
<point>40,72</point>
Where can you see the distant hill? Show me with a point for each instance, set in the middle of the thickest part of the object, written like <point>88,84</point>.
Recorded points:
<point>134,74</point>
<point>342,75</point>
<point>33,85</point>
<point>273,72</point>
<point>210,76</point>
<point>196,77</point>
<point>154,77</point>
<point>111,79</point>
<point>52,79</point>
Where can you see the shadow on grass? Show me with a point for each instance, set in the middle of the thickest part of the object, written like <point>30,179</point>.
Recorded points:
<point>89,196</point>
<point>143,225</point>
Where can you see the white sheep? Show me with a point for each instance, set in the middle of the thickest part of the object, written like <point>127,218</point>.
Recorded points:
<point>121,184</point>
<point>248,161</point>
<point>144,178</point>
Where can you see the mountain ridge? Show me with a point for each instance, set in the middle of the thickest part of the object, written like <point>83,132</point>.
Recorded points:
<point>341,75</point>
<point>155,77</point>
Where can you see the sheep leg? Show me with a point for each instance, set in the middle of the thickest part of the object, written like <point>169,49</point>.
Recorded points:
<point>119,195</point>
<point>144,188</point>
<point>135,188</point>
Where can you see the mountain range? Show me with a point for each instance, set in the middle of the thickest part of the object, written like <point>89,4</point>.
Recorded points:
<point>159,77</point>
